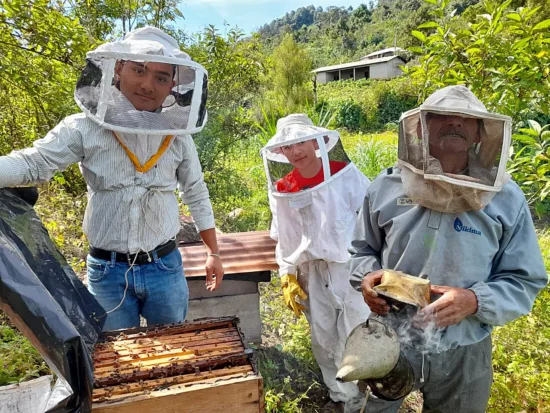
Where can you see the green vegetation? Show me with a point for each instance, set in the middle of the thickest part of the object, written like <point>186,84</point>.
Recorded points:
<point>499,49</point>
<point>290,74</point>
<point>368,105</point>
<point>521,353</point>
<point>20,360</point>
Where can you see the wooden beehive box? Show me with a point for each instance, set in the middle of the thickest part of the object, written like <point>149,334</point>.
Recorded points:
<point>199,366</point>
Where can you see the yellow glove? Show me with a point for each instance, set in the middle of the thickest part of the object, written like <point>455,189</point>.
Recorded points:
<point>291,289</point>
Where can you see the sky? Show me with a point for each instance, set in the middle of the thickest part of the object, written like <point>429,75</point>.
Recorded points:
<point>248,15</point>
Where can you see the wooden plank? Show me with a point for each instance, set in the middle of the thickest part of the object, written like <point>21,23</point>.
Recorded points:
<point>134,389</point>
<point>166,349</point>
<point>147,364</point>
<point>207,364</point>
<point>180,340</point>
<point>163,351</point>
<point>143,360</point>
<point>236,395</point>
<point>157,331</point>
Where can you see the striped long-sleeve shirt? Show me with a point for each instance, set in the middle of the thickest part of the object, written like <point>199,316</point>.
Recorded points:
<point>127,211</point>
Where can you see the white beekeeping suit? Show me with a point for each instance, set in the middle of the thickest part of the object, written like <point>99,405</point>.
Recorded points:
<point>315,193</point>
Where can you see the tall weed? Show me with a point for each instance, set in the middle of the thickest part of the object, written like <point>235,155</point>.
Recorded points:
<point>372,156</point>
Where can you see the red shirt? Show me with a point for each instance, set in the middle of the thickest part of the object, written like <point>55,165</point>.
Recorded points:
<point>294,182</point>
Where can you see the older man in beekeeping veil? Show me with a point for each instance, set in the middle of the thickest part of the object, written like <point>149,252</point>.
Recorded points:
<point>141,98</point>
<point>450,213</point>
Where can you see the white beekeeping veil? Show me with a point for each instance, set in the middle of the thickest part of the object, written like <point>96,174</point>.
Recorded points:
<point>301,156</point>
<point>143,84</point>
<point>452,124</point>
<point>314,192</point>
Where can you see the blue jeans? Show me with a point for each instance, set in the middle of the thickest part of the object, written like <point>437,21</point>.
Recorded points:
<point>157,290</point>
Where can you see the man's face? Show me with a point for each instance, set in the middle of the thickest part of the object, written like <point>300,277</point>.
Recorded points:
<point>145,85</point>
<point>301,154</point>
<point>451,133</point>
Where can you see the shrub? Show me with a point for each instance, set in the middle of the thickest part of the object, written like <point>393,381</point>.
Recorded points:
<point>520,355</point>
<point>391,105</point>
<point>349,115</point>
<point>500,53</point>
<point>530,165</point>
<point>373,156</point>
<point>381,101</point>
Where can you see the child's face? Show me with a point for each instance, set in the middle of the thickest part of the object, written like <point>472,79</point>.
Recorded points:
<point>301,154</point>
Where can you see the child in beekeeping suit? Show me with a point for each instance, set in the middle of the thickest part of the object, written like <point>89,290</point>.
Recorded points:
<point>315,193</point>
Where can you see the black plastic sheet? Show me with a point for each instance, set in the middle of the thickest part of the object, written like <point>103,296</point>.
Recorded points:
<point>47,302</point>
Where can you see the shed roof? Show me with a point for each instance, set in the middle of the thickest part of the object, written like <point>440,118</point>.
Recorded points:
<point>241,253</point>
<point>387,50</point>
<point>361,63</point>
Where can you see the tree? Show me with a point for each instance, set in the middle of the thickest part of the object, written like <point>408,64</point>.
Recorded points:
<point>361,15</point>
<point>291,73</point>
<point>42,50</point>
<point>235,68</point>
<point>500,53</point>
<point>101,17</point>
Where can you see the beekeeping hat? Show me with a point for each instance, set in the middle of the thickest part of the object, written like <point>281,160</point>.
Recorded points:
<point>143,83</point>
<point>295,132</point>
<point>453,108</point>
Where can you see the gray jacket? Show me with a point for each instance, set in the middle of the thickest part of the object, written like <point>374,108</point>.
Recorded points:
<point>494,252</point>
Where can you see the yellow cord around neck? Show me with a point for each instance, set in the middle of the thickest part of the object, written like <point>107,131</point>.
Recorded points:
<point>152,160</point>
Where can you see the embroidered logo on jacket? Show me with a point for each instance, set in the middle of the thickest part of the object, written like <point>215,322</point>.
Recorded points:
<point>460,227</point>
<point>406,202</point>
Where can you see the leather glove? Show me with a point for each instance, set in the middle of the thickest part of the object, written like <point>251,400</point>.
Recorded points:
<point>291,290</point>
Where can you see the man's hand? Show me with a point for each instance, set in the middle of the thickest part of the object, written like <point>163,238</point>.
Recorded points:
<point>213,267</point>
<point>377,305</point>
<point>451,308</point>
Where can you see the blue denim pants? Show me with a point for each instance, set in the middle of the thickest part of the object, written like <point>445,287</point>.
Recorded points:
<point>157,290</point>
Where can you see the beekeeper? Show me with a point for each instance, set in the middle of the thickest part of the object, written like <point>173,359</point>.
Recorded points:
<point>449,212</point>
<point>141,99</point>
<point>315,193</point>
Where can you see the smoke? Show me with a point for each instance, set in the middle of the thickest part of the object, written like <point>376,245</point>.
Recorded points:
<point>413,331</point>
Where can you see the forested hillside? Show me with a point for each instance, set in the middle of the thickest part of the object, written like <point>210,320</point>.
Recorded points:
<point>338,34</point>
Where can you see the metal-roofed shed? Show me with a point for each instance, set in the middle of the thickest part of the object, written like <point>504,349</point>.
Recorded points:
<point>380,68</point>
<point>248,258</point>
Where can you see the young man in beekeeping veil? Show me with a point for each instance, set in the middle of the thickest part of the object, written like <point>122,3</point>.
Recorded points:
<point>141,99</point>
<point>314,193</point>
<point>449,212</point>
